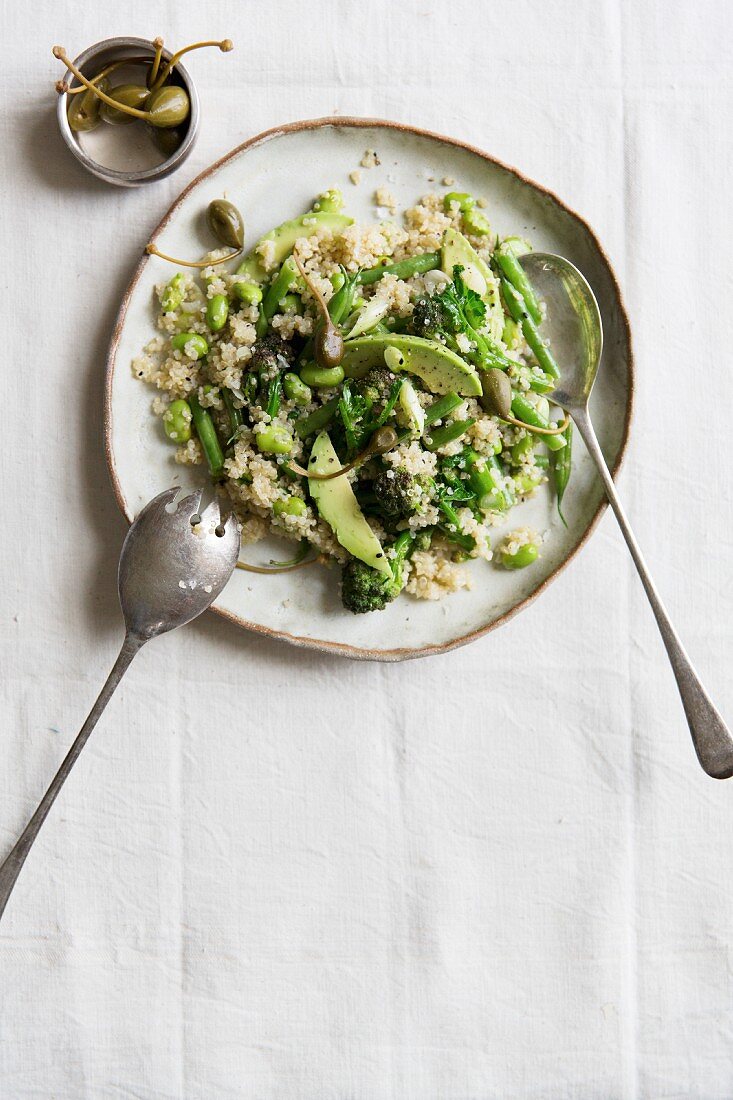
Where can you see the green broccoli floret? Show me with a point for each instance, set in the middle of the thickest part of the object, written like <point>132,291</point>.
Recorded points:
<point>376,385</point>
<point>363,589</point>
<point>399,494</point>
<point>427,317</point>
<point>265,352</point>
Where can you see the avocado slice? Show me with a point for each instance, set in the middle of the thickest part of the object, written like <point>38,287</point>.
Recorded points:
<point>339,507</point>
<point>285,236</point>
<point>440,369</point>
<point>477,275</point>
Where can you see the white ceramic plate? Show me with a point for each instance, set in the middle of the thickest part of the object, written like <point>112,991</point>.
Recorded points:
<point>273,177</point>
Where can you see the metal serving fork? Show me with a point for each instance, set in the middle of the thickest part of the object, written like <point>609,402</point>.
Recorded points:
<point>173,565</point>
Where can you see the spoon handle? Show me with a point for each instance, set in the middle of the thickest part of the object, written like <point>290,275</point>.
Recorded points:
<point>10,868</point>
<point>710,735</point>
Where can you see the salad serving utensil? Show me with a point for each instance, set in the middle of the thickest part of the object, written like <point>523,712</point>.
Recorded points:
<point>174,563</point>
<point>574,328</point>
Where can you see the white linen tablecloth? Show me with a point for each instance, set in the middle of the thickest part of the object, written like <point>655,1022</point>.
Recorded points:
<point>495,874</point>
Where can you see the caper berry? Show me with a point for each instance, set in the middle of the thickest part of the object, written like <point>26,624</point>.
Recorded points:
<point>127,95</point>
<point>497,395</point>
<point>84,109</point>
<point>328,346</point>
<point>225,222</point>
<point>168,106</point>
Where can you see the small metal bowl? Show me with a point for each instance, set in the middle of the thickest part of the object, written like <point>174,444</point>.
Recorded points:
<point>90,62</point>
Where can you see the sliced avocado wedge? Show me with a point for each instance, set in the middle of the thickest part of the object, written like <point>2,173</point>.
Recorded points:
<point>338,506</point>
<point>456,249</point>
<point>284,238</point>
<point>439,368</point>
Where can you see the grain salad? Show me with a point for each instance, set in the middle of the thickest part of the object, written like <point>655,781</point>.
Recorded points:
<point>375,393</point>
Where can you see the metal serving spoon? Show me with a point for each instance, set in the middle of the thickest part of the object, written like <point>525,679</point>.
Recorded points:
<point>170,571</point>
<point>573,325</point>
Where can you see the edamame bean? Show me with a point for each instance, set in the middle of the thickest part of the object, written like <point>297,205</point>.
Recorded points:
<point>249,293</point>
<point>293,506</point>
<point>464,200</point>
<point>274,439</point>
<point>321,377</point>
<point>291,303</point>
<point>191,344</point>
<point>172,296</point>
<point>177,421</point>
<point>474,222</point>
<point>330,202</point>
<point>521,558</point>
<point>296,390</point>
<point>217,311</point>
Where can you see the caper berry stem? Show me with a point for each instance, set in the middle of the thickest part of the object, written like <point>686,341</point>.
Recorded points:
<point>153,250</point>
<point>60,53</point>
<point>383,440</point>
<point>225,46</point>
<point>155,67</point>
<point>63,88</point>
<point>328,341</point>
<point>538,431</point>
<point>280,568</point>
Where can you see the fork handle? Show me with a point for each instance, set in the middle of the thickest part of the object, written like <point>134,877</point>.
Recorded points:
<point>10,868</point>
<point>710,735</point>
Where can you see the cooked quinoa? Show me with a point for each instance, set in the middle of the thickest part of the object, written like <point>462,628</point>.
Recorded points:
<point>418,309</point>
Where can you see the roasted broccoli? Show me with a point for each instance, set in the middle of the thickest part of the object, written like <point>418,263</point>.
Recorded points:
<point>399,494</point>
<point>376,385</point>
<point>427,317</point>
<point>265,353</point>
<point>363,589</point>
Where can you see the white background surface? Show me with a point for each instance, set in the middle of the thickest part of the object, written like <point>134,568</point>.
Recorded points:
<point>498,873</point>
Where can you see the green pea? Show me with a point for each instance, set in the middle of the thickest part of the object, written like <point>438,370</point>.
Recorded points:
<point>523,557</point>
<point>293,506</point>
<point>191,343</point>
<point>249,293</point>
<point>464,200</point>
<point>474,222</point>
<point>217,311</point>
<point>274,439</point>
<point>172,296</point>
<point>321,377</point>
<point>296,390</point>
<point>177,421</point>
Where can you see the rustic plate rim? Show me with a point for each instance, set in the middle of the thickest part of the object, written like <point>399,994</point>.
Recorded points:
<point>320,644</point>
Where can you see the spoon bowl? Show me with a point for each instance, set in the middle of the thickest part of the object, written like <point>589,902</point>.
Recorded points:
<point>572,324</point>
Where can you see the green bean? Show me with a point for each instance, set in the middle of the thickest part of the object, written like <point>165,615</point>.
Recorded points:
<point>172,296</point>
<point>274,389</point>
<point>561,468</point>
<point>526,412</point>
<point>318,420</point>
<point>191,344</point>
<point>404,269</point>
<point>208,438</point>
<point>236,418</point>
<point>521,558</point>
<point>274,439</point>
<point>279,288</point>
<point>177,421</point>
<point>217,311</point>
<point>447,434</point>
<point>247,292</point>
<point>543,461</point>
<point>296,390</point>
<point>342,301</point>
<point>516,306</point>
<point>512,270</point>
<point>485,480</point>
<point>522,447</point>
<point>293,506</point>
<point>321,377</point>
<point>442,407</point>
